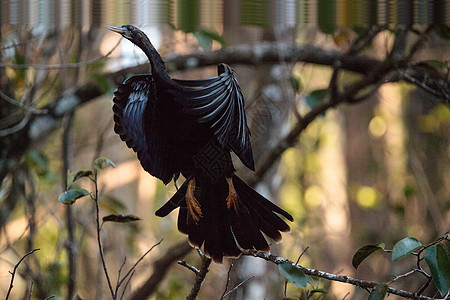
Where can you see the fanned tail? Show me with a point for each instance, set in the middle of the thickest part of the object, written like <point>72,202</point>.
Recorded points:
<point>222,231</point>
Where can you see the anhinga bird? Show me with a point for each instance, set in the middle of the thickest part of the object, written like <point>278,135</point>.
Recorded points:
<point>191,127</point>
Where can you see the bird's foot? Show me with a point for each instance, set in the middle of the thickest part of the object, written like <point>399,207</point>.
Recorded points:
<point>193,205</point>
<point>233,198</point>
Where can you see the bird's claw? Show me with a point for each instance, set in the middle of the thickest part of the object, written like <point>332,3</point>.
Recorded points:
<point>233,198</point>
<point>193,205</point>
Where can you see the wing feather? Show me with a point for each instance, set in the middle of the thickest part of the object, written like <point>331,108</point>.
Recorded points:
<point>219,103</point>
<point>130,105</point>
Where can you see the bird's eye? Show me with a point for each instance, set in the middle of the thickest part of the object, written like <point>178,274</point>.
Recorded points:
<point>127,34</point>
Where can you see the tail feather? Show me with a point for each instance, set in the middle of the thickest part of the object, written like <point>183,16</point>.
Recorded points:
<point>254,195</point>
<point>222,231</point>
<point>247,233</point>
<point>266,226</point>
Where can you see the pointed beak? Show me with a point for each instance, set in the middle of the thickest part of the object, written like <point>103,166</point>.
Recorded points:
<point>120,30</point>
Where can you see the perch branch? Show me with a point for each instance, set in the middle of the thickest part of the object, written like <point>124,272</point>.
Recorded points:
<point>206,261</point>
<point>339,278</point>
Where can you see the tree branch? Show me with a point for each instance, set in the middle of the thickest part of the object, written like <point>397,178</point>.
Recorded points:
<point>160,269</point>
<point>206,261</point>
<point>240,54</point>
<point>266,52</point>
<point>13,273</point>
<point>340,278</point>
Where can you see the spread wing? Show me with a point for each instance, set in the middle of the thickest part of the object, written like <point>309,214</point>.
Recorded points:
<point>218,102</point>
<point>131,101</point>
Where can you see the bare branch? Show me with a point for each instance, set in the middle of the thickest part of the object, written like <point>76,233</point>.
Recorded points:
<point>23,123</point>
<point>334,277</point>
<point>63,66</point>
<point>70,243</point>
<point>228,279</point>
<point>206,261</point>
<point>237,286</point>
<point>13,273</point>
<point>161,267</point>
<point>188,266</point>
<point>132,269</point>
<point>21,105</point>
<point>99,238</point>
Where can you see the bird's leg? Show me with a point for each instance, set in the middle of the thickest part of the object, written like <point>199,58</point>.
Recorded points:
<point>233,198</point>
<point>192,204</point>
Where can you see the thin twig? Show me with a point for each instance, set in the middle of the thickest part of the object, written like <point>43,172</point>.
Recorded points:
<point>21,105</point>
<point>126,284</point>
<point>138,261</point>
<point>63,66</point>
<point>301,254</point>
<point>17,127</point>
<point>99,240</point>
<point>31,290</point>
<point>118,274</point>
<point>13,273</point>
<point>71,245</point>
<point>160,269</point>
<point>296,263</point>
<point>228,279</point>
<point>346,295</point>
<point>239,285</point>
<point>397,277</point>
<point>188,266</point>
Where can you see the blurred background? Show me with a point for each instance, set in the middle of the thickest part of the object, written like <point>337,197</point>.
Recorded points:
<point>362,172</point>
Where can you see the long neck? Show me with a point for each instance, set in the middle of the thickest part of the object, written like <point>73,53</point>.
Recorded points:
<point>158,68</point>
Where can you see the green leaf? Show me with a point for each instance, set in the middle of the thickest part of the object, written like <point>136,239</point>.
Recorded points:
<point>443,31</point>
<point>38,161</point>
<point>74,176</point>
<point>436,64</point>
<point>438,261</point>
<point>203,41</point>
<point>315,97</point>
<point>327,16</point>
<point>188,15</point>
<point>364,252</point>
<point>81,174</point>
<point>295,83</point>
<point>70,196</point>
<point>294,275</point>
<point>406,246</point>
<point>111,204</point>
<point>99,163</point>
<point>379,292</point>
<point>205,38</point>
<point>120,218</point>
<point>319,291</point>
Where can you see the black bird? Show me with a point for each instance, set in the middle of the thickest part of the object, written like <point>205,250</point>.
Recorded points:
<point>191,127</point>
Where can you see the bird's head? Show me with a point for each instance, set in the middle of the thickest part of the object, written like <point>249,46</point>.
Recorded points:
<point>131,33</point>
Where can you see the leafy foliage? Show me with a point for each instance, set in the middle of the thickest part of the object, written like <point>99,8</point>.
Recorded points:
<point>294,275</point>
<point>437,258</point>
<point>205,38</point>
<point>70,196</point>
<point>102,162</point>
<point>120,218</point>
<point>364,252</point>
<point>404,247</point>
<point>316,97</point>
<point>379,292</point>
